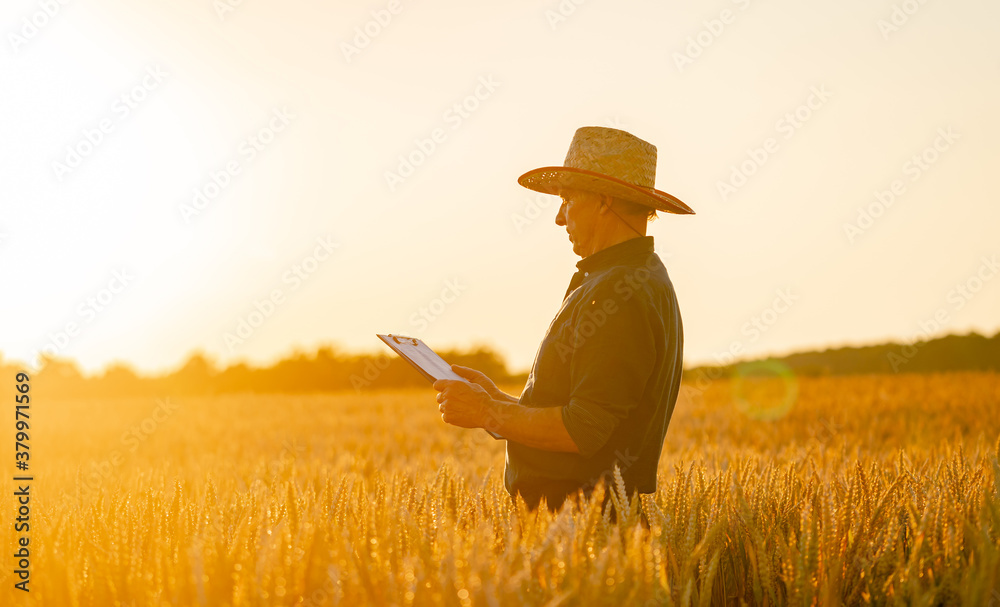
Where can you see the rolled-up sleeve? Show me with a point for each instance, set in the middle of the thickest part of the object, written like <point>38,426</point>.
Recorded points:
<point>613,353</point>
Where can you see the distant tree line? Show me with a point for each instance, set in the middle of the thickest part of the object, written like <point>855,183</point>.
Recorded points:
<point>971,352</point>
<point>322,371</point>
<point>328,369</point>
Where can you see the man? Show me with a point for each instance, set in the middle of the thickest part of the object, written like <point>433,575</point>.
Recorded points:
<point>606,376</point>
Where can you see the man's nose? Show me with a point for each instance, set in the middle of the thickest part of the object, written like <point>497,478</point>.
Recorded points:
<point>560,216</point>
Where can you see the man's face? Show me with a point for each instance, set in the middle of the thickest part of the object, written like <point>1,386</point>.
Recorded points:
<point>579,212</point>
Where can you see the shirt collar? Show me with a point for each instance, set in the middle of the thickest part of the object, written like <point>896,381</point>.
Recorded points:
<point>631,250</point>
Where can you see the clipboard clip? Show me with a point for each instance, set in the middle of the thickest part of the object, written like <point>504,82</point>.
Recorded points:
<point>396,339</point>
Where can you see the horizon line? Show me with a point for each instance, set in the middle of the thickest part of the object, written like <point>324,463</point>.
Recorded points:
<point>333,346</point>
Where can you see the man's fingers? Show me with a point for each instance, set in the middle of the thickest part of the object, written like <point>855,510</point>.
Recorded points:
<point>457,389</point>
<point>449,392</point>
<point>466,372</point>
<point>443,384</point>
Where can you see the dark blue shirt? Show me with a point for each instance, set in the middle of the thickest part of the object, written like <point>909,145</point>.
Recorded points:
<point>611,359</point>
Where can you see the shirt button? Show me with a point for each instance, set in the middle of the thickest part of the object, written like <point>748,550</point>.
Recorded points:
<point>586,274</point>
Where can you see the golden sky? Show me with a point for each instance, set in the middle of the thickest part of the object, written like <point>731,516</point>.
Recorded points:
<point>174,172</point>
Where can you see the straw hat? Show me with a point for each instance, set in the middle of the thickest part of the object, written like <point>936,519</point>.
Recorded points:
<point>607,161</point>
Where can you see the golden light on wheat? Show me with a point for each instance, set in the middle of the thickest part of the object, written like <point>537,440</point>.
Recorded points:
<point>868,490</point>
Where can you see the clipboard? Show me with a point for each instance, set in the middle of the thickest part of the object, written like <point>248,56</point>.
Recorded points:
<point>424,360</point>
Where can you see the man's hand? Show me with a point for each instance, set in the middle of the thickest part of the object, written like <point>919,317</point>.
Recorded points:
<point>480,379</point>
<point>478,403</point>
<point>462,403</point>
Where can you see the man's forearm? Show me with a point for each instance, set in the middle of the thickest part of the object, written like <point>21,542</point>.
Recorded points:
<point>507,399</point>
<point>539,428</point>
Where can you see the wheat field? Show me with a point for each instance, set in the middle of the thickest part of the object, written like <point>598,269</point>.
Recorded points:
<point>811,491</point>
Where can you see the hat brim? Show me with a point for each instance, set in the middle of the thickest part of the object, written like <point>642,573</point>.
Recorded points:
<point>552,180</point>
